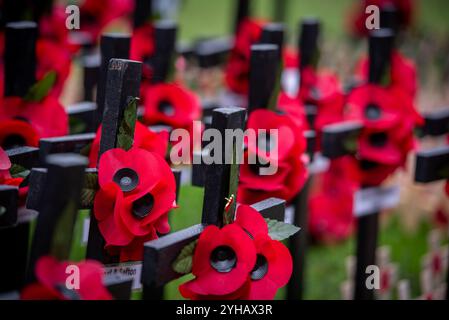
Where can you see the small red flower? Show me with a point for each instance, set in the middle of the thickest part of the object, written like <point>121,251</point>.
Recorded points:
<point>47,117</point>
<point>402,73</point>
<point>171,104</point>
<point>222,262</point>
<point>144,138</point>
<point>133,202</point>
<point>51,282</point>
<point>237,68</point>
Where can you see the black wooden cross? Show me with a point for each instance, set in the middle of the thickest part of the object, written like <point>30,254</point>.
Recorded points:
<point>123,82</point>
<point>143,12</point>
<point>242,12</point>
<point>221,182</point>
<point>112,45</point>
<point>433,165</point>
<point>165,43</point>
<point>340,140</point>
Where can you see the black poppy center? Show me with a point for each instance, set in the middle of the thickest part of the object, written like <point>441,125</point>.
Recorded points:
<point>127,179</point>
<point>372,111</point>
<point>166,108</point>
<point>223,259</point>
<point>12,141</point>
<point>142,207</point>
<point>368,165</point>
<point>378,139</point>
<point>260,269</point>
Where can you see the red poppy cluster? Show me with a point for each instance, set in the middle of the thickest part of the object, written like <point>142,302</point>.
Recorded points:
<point>52,277</point>
<point>359,16</point>
<point>142,48</point>
<point>237,68</point>
<point>284,154</point>
<point>239,261</point>
<point>25,122</point>
<point>389,118</point>
<point>133,201</point>
<point>331,201</point>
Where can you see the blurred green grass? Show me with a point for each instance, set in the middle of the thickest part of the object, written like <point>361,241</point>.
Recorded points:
<point>200,18</point>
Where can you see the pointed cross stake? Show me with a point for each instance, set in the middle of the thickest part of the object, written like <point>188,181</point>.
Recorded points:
<point>26,157</point>
<point>308,41</point>
<point>58,209</point>
<point>221,180</point>
<point>160,254</point>
<point>380,49</point>
<point>20,57</point>
<point>143,12</point>
<point>112,45</point>
<point>264,67</point>
<point>123,83</point>
<point>91,69</point>
<point>165,41</point>
<point>433,165</point>
<point>274,33</point>
<point>242,12</point>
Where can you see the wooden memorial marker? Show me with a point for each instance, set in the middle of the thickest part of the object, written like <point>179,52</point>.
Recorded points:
<point>91,69</point>
<point>78,143</point>
<point>221,182</point>
<point>20,58</point>
<point>436,123</point>
<point>20,68</point>
<point>58,209</point>
<point>143,12</point>
<point>165,42</point>
<point>82,114</point>
<point>112,45</point>
<point>241,13</point>
<point>123,83</point>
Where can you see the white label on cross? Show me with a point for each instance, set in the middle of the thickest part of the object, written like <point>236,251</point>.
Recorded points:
<point>85,236</point>
<point>125,271</point>
<point>372,200</point>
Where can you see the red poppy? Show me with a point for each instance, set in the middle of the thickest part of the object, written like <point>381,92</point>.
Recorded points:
<point>331,201</point>
<point>287,181</point>
<point>357,19</point>
<point>15,133</point>
<point>402,73</point>
<point>222,262</point>
<point>171,104</point>
<point>285,155</point>
<point>53,57</point>
<point>272,271</point>
<point>142,47</point>
<point>144,138</point>
<point>133,202</point>
<point>237,68</point>
<point>290,137</point>
<point>51,281</point>
<point>47,117</point>
<point>5,165</point>
<point>389,118</point>
<point>250,220</point>
<point>294,109</point>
